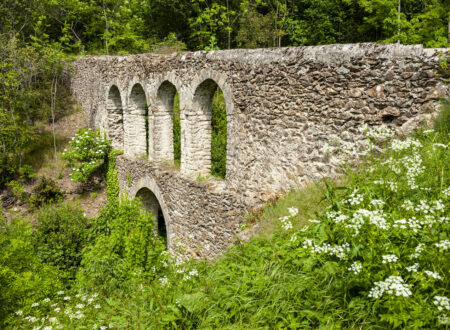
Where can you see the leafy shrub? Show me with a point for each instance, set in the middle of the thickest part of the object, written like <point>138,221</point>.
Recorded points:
<point>46,192</point>
<point>27,173</point>
<point>60,236</point>
<point>124,246</point>
<point>18,190</point>
<point>23,278</point>
<point>88,153</point>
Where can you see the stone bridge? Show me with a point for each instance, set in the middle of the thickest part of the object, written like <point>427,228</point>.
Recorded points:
<point>293,114</point>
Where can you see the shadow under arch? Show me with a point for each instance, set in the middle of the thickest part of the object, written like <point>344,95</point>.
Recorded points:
<point>114,110</point>
<point>151,204</point>
<point>148,183</point>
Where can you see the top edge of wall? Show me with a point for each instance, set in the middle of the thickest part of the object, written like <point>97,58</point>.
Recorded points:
<point>324,53</point>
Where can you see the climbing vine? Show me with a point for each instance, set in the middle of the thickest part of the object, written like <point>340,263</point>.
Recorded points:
<point>112,182</point>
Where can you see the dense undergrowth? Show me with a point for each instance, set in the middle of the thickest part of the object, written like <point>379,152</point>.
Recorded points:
<point>373,254</point>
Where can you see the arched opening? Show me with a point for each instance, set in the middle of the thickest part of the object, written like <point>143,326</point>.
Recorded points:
<point>115,117</point>
<point>150,203</point>
<point>167,127</point>
<point>210,132</point>
<point>136,131</point>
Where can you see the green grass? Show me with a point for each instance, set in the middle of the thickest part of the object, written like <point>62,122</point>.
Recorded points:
<point>327,273</point>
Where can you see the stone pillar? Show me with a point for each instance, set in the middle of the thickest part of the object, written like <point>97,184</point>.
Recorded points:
<point>135,124</point>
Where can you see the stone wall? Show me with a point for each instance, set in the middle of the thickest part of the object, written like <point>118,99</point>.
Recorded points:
<point>201,218</point>
<point>292,113</point>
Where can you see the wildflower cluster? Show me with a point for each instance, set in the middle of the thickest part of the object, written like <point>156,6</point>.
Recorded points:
<point>62,311</point>
<point>393,285</point>
<point>286,221</point>
<point>392,222</point>
<point>88,152</point>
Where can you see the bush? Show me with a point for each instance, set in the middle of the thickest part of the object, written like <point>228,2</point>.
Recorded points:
<point>124,245</point>
<point>88,153</point>
<point>46,192</point>
<point>23,278</point>
<point>18,190</point>
<point>60,236</point>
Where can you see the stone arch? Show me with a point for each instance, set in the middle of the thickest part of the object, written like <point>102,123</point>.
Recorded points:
<point>197,137</point>
<point>163,121</point>
<point>146,187</point>
<point>114,109</point>
<point>150,203</point>
<point>136,123</point>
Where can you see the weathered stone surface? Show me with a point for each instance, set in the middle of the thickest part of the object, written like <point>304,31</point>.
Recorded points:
<point>287,110</point>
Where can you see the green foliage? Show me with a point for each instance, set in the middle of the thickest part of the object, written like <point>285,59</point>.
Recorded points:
<point>18,190</point>
<point>218,135</point>
<point>60,236</point>
<point>389,221</point>
<point>88,153</point>
<point>124,246</point>
<point>64,310</point>
<point>176,129</point>
<point>23,278</point>
<point>27,173</point>
<point>46,192</point>
<point>112,182</point>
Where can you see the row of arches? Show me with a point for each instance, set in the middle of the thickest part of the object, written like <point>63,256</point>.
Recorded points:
<point>167,128</point>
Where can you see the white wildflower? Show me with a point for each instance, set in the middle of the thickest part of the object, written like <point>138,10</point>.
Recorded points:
<point>79,306</point>
<point>443,244</point>
<point>418,250</point>
<point>446,192</point>
<point>314,221</point>
<point>57,309</point>
<point>60,293</point>
<point>355,267</point>
<point>293,211</point>
<point>66,298</point>
<point>434,275</point>
<point>19,312</point>
<point>46,300</point>
<point>377,202</point>
<point>413,269</point>
<point>53,320</point>
<point>354,198</point>
<point>163,280</point>
<point>388,258</point>
<point>97,306</point>
<point>393,285</point>
<point>35,304</point>
<point>398,145</point>
<point>286,224</point>
<point>442,303</point>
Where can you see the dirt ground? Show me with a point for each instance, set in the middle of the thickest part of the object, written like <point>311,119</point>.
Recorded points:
<point>91,198</point>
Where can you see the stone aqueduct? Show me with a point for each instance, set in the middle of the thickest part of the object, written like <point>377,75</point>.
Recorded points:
<point>283,107</point>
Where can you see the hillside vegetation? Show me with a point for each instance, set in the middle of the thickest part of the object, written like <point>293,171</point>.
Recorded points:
<point>371,252</point>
